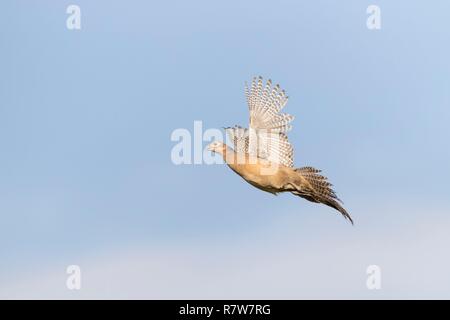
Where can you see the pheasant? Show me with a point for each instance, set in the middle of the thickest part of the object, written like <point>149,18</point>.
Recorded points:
<point>262,154</point>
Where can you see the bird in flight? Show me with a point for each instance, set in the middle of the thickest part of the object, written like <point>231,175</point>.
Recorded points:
<point>262,154</point>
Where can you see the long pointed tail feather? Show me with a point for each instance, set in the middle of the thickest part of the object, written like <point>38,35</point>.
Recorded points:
<point>320,190</point>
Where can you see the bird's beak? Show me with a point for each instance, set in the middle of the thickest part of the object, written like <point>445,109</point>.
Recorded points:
<point>210,148</point>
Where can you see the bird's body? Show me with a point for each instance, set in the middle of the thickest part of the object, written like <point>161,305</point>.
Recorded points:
<point>250,170</point>
<point>274,183</point>
<point>263,156</point>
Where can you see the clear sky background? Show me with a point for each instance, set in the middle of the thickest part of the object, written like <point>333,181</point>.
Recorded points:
<point>86,176</point>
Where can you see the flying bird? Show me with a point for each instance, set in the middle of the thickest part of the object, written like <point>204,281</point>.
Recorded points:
<point>262,154</point>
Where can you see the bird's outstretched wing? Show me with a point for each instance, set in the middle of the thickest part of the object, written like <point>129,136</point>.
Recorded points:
<point>239,137</point>
<point>268,126</point>
<point>266,138</point>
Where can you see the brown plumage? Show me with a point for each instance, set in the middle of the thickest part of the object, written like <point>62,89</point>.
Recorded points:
<point>263,156</point>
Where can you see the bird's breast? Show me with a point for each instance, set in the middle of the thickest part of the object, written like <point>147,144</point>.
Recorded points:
<point>260,175</point>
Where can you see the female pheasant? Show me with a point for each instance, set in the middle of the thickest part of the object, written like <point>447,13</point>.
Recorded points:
<point>262,154</point>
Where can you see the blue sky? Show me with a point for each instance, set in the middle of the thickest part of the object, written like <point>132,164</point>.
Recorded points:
<point>86,176</point>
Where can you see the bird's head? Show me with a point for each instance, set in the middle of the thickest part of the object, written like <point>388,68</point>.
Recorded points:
<point>216,146</point>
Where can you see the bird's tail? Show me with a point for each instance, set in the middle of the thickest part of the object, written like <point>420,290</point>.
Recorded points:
<point>319,190</point>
